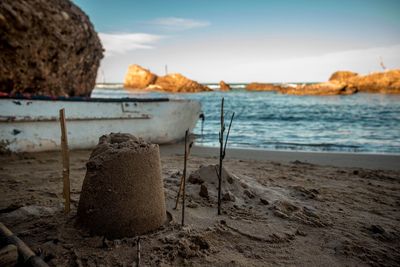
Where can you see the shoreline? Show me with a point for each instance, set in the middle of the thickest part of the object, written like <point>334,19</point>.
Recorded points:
<point>336,159</point>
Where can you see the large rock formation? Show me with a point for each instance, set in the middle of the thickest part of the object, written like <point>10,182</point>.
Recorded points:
<point>326,88</point>
<point>177,83</point>
<point>387,82</point>
<point>340,83</point>
<point>223,86</point>
<point>342,76</point>
<point>262,87</point>
<point>140,78</point>
<point>47,47</point>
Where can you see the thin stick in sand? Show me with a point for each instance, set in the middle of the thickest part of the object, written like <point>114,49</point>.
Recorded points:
<point>181,183</point>
<point>221,145</point>
<point>222,151</point>
<point>65,160</point>
<point>184,178</point>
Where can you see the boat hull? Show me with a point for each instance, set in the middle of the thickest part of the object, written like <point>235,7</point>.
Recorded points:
<point>28,125</point>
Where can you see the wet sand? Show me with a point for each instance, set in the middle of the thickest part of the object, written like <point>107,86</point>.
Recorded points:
<point>358,160</point>
<point>282,209</point>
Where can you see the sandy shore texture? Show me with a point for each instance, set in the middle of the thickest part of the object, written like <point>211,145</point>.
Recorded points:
<point>279,209</point>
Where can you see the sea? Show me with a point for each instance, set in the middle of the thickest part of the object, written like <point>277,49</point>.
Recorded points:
<point>359,123</point>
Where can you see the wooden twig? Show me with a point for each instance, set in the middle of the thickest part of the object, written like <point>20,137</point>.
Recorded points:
<point>222,150</point>
<point>227,134</point>
<point>138,252</point>
<point>27,256</point>
<point>65,160</point>
<point>184,178</point>
<point>178,196</point>
<point>221,145</point>
<point>181,183</point>
<point>216,171</point>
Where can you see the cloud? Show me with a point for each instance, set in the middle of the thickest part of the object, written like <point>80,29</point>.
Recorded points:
<point>120,43</point>
<point>178,24</point>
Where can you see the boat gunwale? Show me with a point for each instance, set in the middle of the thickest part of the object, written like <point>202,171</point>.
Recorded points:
<point>85,99</point>
<point>96,99</point>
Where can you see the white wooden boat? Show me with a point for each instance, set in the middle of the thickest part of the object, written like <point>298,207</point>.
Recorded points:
<point>30,125</point>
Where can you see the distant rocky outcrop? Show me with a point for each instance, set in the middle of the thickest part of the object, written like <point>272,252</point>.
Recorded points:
<point>376,82</point>
<point>342,76</point>
<point>326,88</point>
<point>178,83</point>
<point>47,48</point>
<point>140,78</point>
<point>262,87</point>
<point>224,86</point>
<point>387,82</point>
<point>340,83</point>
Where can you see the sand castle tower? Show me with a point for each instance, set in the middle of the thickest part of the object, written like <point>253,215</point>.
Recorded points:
<point>122,193</point>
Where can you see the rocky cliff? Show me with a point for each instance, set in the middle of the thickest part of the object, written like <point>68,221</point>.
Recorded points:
<point>141,78</point>
<point>47,48</point>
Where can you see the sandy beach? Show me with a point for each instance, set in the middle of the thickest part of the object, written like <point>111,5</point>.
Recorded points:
<point>307,103</point>
<point>279,209</point>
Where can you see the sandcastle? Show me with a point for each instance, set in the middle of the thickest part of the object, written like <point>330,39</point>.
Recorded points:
<point>122,193</point>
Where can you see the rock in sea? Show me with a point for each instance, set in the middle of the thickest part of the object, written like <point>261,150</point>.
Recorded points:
<point>262,87</point>
<point>342,76</point>
<point>138,77</point>
<point>178,83</point>
<point>223,86</point>
<point>387,82</point>
<point>326,88</point>
<point>340,83</point>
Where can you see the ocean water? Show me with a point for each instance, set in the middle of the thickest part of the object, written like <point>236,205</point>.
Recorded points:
<point>368,123</point>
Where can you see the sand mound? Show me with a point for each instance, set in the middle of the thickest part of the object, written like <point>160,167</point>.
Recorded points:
<point>237,189</point>
<point>122,193</point>
<point>240,191</point>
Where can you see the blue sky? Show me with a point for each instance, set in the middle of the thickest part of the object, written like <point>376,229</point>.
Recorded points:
<point>244,41</point>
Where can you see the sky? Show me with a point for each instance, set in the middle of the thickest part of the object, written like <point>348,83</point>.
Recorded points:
<point>246,40</point>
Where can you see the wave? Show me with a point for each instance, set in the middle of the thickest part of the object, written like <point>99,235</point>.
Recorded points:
<point>109,85</point>
<point>238,86</point>
<point>215,86</point>
<point>327,145</point>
